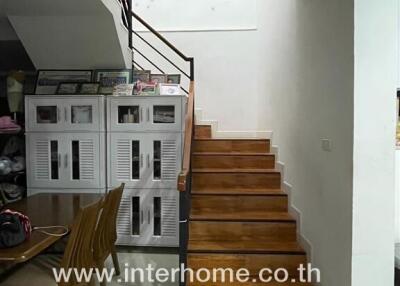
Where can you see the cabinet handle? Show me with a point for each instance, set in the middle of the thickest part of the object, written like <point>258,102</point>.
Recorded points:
<point>141,216</point>
<point>65,114</point>
<point>141,160</point>
<point>148,216</point>
<point>66,161</point>
<point>148,114</point>
<point>148,160</point>
<point>141,114</point>
<point>59,160</point>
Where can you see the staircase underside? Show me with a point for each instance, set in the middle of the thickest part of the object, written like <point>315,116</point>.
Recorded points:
<point>73,34</point>
<point>239,214</point>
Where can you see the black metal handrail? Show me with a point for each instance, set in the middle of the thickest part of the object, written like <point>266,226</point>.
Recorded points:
<point>127,10</point>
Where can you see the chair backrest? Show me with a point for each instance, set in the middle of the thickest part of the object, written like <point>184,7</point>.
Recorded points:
<point>79,250</point>
<point>106,232</point>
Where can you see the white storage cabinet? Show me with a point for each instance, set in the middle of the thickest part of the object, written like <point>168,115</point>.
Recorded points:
<point>144,142</point>
<point>65,143</point>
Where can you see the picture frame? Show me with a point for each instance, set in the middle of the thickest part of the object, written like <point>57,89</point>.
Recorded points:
<point>158,78</point>
<point>174,78</point>
<point>65,88</point>
<point>139,77</point>
<point>47,81</point>
<point>123,89</point>
<point>89,88</point>
<point>148,89</point>
<point>169,89</point>
<point>110,78</point>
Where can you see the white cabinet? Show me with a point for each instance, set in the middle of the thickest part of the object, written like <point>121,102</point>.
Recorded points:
<point>64,113</point>
<point>145,113</point>
<point>144,160</point>
<point>64,160</point>
<point>148,218</point>
<point>69,149</point>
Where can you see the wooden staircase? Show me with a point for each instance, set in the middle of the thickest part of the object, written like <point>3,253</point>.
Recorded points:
<point>239,213</point>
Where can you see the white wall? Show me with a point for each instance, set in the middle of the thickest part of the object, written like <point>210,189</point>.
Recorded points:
<point>226,70</point>
<point>294,75</point>
<point>305,95</point>
<point>374,149</point>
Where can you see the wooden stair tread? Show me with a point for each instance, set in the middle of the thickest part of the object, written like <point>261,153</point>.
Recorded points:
<point>239,191</point>
<point>202,131</point>
<point>232,139</point>
<point>249,247</point>
<point>232,170</point>
<point>232,154</point>
<point>245,216</point>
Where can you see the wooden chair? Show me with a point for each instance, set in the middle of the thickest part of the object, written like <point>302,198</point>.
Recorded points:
<point>78,254</point>
<point>106,232</point>
<point>79,250</point>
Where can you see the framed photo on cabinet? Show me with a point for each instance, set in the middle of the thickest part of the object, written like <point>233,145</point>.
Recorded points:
<point>173,78</point>
<point>158,78</point>
<point>68,87</point>
<point>89,88</point>
<point>110,78</point>
<point>47,81</point>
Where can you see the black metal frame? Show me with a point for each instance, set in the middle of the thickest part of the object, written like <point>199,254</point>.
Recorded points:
<point>127,5</point>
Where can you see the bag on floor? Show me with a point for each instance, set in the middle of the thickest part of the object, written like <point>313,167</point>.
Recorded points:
<point>15,228</point>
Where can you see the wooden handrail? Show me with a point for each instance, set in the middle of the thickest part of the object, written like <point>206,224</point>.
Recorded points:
<point>187,145</point>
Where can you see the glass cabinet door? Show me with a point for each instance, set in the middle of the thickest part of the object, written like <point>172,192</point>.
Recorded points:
<point>164,114</point>
<point>84,114</point>
<point>43,114</point>
<point>126,114</point>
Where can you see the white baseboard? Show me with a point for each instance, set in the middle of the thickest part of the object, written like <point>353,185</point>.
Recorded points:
<point>216,133</point>
<point>295,212</point>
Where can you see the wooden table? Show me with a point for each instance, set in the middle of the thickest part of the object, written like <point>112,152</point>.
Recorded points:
<point>45,210</point>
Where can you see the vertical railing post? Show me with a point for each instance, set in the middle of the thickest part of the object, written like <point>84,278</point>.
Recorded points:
<point>191,69</point>
<point>130,28</point>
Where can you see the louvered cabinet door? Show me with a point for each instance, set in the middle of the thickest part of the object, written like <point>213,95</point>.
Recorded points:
<point>44,160</point>
<point>163,218</point>
<point>163,162</point>
<point>126,154</point>
<point>83,160</point>
<point>131,224</point>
